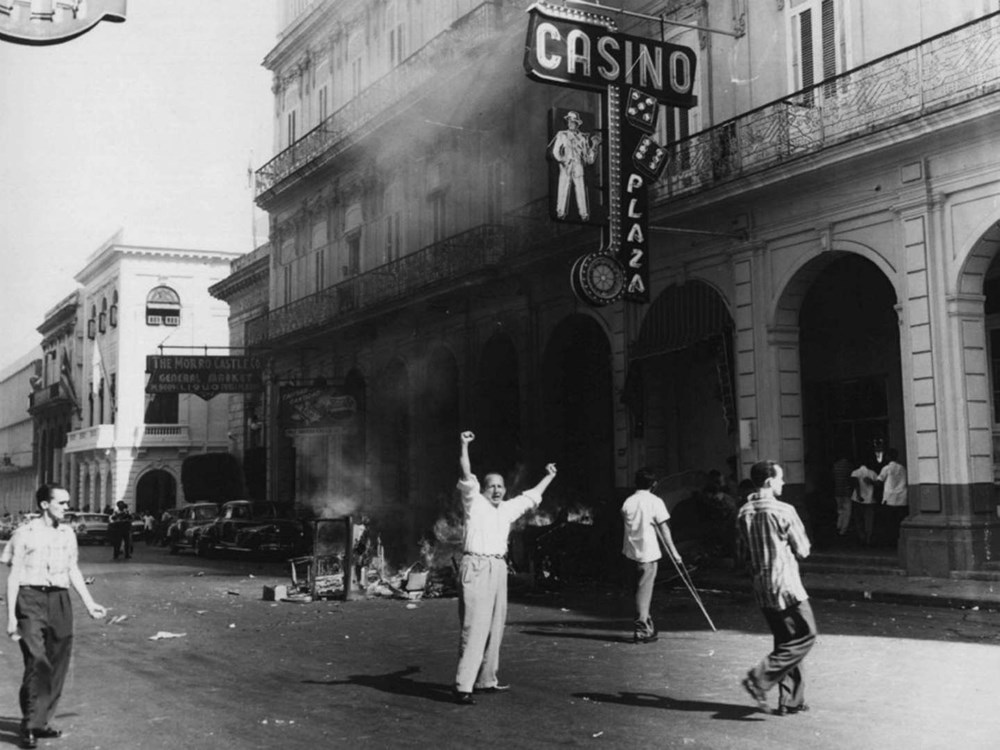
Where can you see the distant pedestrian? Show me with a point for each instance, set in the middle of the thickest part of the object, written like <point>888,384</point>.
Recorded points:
<point>774,540</point>
<point>864,499</point>
<point>482,604</point>
<point>894,493</point>
<point>120,527</point>
<point>42,556</point>
<point>842,492</point>
<point>148,527</point>
<point>642,512</point>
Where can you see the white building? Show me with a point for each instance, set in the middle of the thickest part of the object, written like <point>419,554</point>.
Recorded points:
<point>17,462</point>
<point>136,301</point>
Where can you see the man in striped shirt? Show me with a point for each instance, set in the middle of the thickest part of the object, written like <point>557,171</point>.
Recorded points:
<point>773,540</point>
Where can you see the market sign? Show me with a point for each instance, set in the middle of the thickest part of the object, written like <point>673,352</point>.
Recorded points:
<point>54,21</point>
<point>205,376</point>
<point>636,76</point>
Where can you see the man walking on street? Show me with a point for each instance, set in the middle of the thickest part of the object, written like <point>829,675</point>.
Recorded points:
<point>642,512</point>
<point>482,604</point>
<point>773,540</point>
<point>42,555</point>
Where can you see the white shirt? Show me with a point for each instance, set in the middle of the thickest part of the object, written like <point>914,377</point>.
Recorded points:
<point>487,526</point>
<point>865,493</point>
<point>894,491</point>
<point>640,511</point>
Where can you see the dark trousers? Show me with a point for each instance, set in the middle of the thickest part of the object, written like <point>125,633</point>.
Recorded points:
<point>45,624</point>
<point>794,632</point>
<point>121,538</point>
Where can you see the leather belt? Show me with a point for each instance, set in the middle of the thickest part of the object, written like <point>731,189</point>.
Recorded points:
<point>479,554</point>
<point>46,589</point>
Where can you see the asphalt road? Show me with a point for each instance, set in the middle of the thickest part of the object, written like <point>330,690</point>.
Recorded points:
<point>245,673</point>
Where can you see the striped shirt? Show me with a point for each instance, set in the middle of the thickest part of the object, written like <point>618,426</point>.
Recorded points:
<point>773,536</point>
<point>45,555</point>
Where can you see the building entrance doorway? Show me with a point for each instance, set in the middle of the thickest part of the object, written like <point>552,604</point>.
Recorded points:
<point>155,492</point>
<point>852,404</point>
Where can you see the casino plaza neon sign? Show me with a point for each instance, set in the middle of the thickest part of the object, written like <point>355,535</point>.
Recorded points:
<point>576,49</point>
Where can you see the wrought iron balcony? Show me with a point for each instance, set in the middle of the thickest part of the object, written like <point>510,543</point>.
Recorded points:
<point>432,61</point>
<point>443,262</point>
<point>49,397</point>
<point>930,77</point>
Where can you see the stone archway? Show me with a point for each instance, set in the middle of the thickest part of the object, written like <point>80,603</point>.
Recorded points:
<point>155,492</point>
<point>680,388</point>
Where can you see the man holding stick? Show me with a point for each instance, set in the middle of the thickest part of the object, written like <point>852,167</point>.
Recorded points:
<point>643,513</point>
<point>482,604</point>
<point>773,540</point>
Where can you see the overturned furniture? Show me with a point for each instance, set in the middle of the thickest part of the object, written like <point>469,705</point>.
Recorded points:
<point>327,572</point>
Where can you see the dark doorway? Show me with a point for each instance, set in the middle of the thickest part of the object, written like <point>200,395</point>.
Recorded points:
<point>851,380</point>
<point>578,412</point>
<point>155,492</point>
<point>497,409</point>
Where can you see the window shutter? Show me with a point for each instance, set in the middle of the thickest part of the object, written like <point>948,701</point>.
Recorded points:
<point>806,39</point>
<point>829,41</point>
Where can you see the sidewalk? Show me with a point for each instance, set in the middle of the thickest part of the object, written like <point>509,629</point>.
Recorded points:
<point>824,581</point>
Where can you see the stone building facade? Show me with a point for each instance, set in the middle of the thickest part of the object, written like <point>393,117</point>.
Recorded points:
<point>820,256</point>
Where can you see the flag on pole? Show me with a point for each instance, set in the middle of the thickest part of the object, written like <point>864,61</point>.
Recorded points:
<point>66,378</point>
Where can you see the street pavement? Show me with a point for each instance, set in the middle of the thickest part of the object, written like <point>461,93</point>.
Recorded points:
<point>231,670</point>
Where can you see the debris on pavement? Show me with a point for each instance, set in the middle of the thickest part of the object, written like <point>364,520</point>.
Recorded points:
<point>163,634</point>
<point>117,619</point>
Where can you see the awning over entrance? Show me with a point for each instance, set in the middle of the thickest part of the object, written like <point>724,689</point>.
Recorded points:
<point>681,316</point>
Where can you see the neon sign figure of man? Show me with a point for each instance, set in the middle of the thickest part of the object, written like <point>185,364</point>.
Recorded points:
<point>574,150</point>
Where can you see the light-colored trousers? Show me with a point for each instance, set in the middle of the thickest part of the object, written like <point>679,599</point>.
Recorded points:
<point>482,609</point>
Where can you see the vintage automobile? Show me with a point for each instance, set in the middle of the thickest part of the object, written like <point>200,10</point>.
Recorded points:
<point>247,526</point>
<point>188,524</point>
<point>90,528</point>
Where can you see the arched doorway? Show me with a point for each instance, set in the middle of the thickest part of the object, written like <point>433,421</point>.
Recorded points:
<point>578,412</point>
<point>680,389</point>
<point>394,514</point>
<point>155,492</point>
<point>852,402</point>
<point>497,409</point>
<point>439,440</point>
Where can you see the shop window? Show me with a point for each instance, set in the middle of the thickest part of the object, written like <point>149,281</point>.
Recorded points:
<point>163,307</point>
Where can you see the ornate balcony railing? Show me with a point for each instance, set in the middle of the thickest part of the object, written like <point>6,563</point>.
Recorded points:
<point>937,74</point>
<point>447,261</point>
<point>441,54</point>
<point>162,435</point>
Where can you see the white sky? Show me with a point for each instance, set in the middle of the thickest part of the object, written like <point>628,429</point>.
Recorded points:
<point>148,125</point>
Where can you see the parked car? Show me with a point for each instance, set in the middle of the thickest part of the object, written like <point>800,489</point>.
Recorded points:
<point>253,527</point>
<point>186,528</point>
<point>163,524</point>
<point>90,528</point>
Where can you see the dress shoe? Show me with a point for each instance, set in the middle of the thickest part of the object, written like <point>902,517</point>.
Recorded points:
<point>47,733</point>
<point>28,738</point>
<point>464,699</point>
<point>494,689</point>
<point>789,710</point>
<point>753,689</point>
